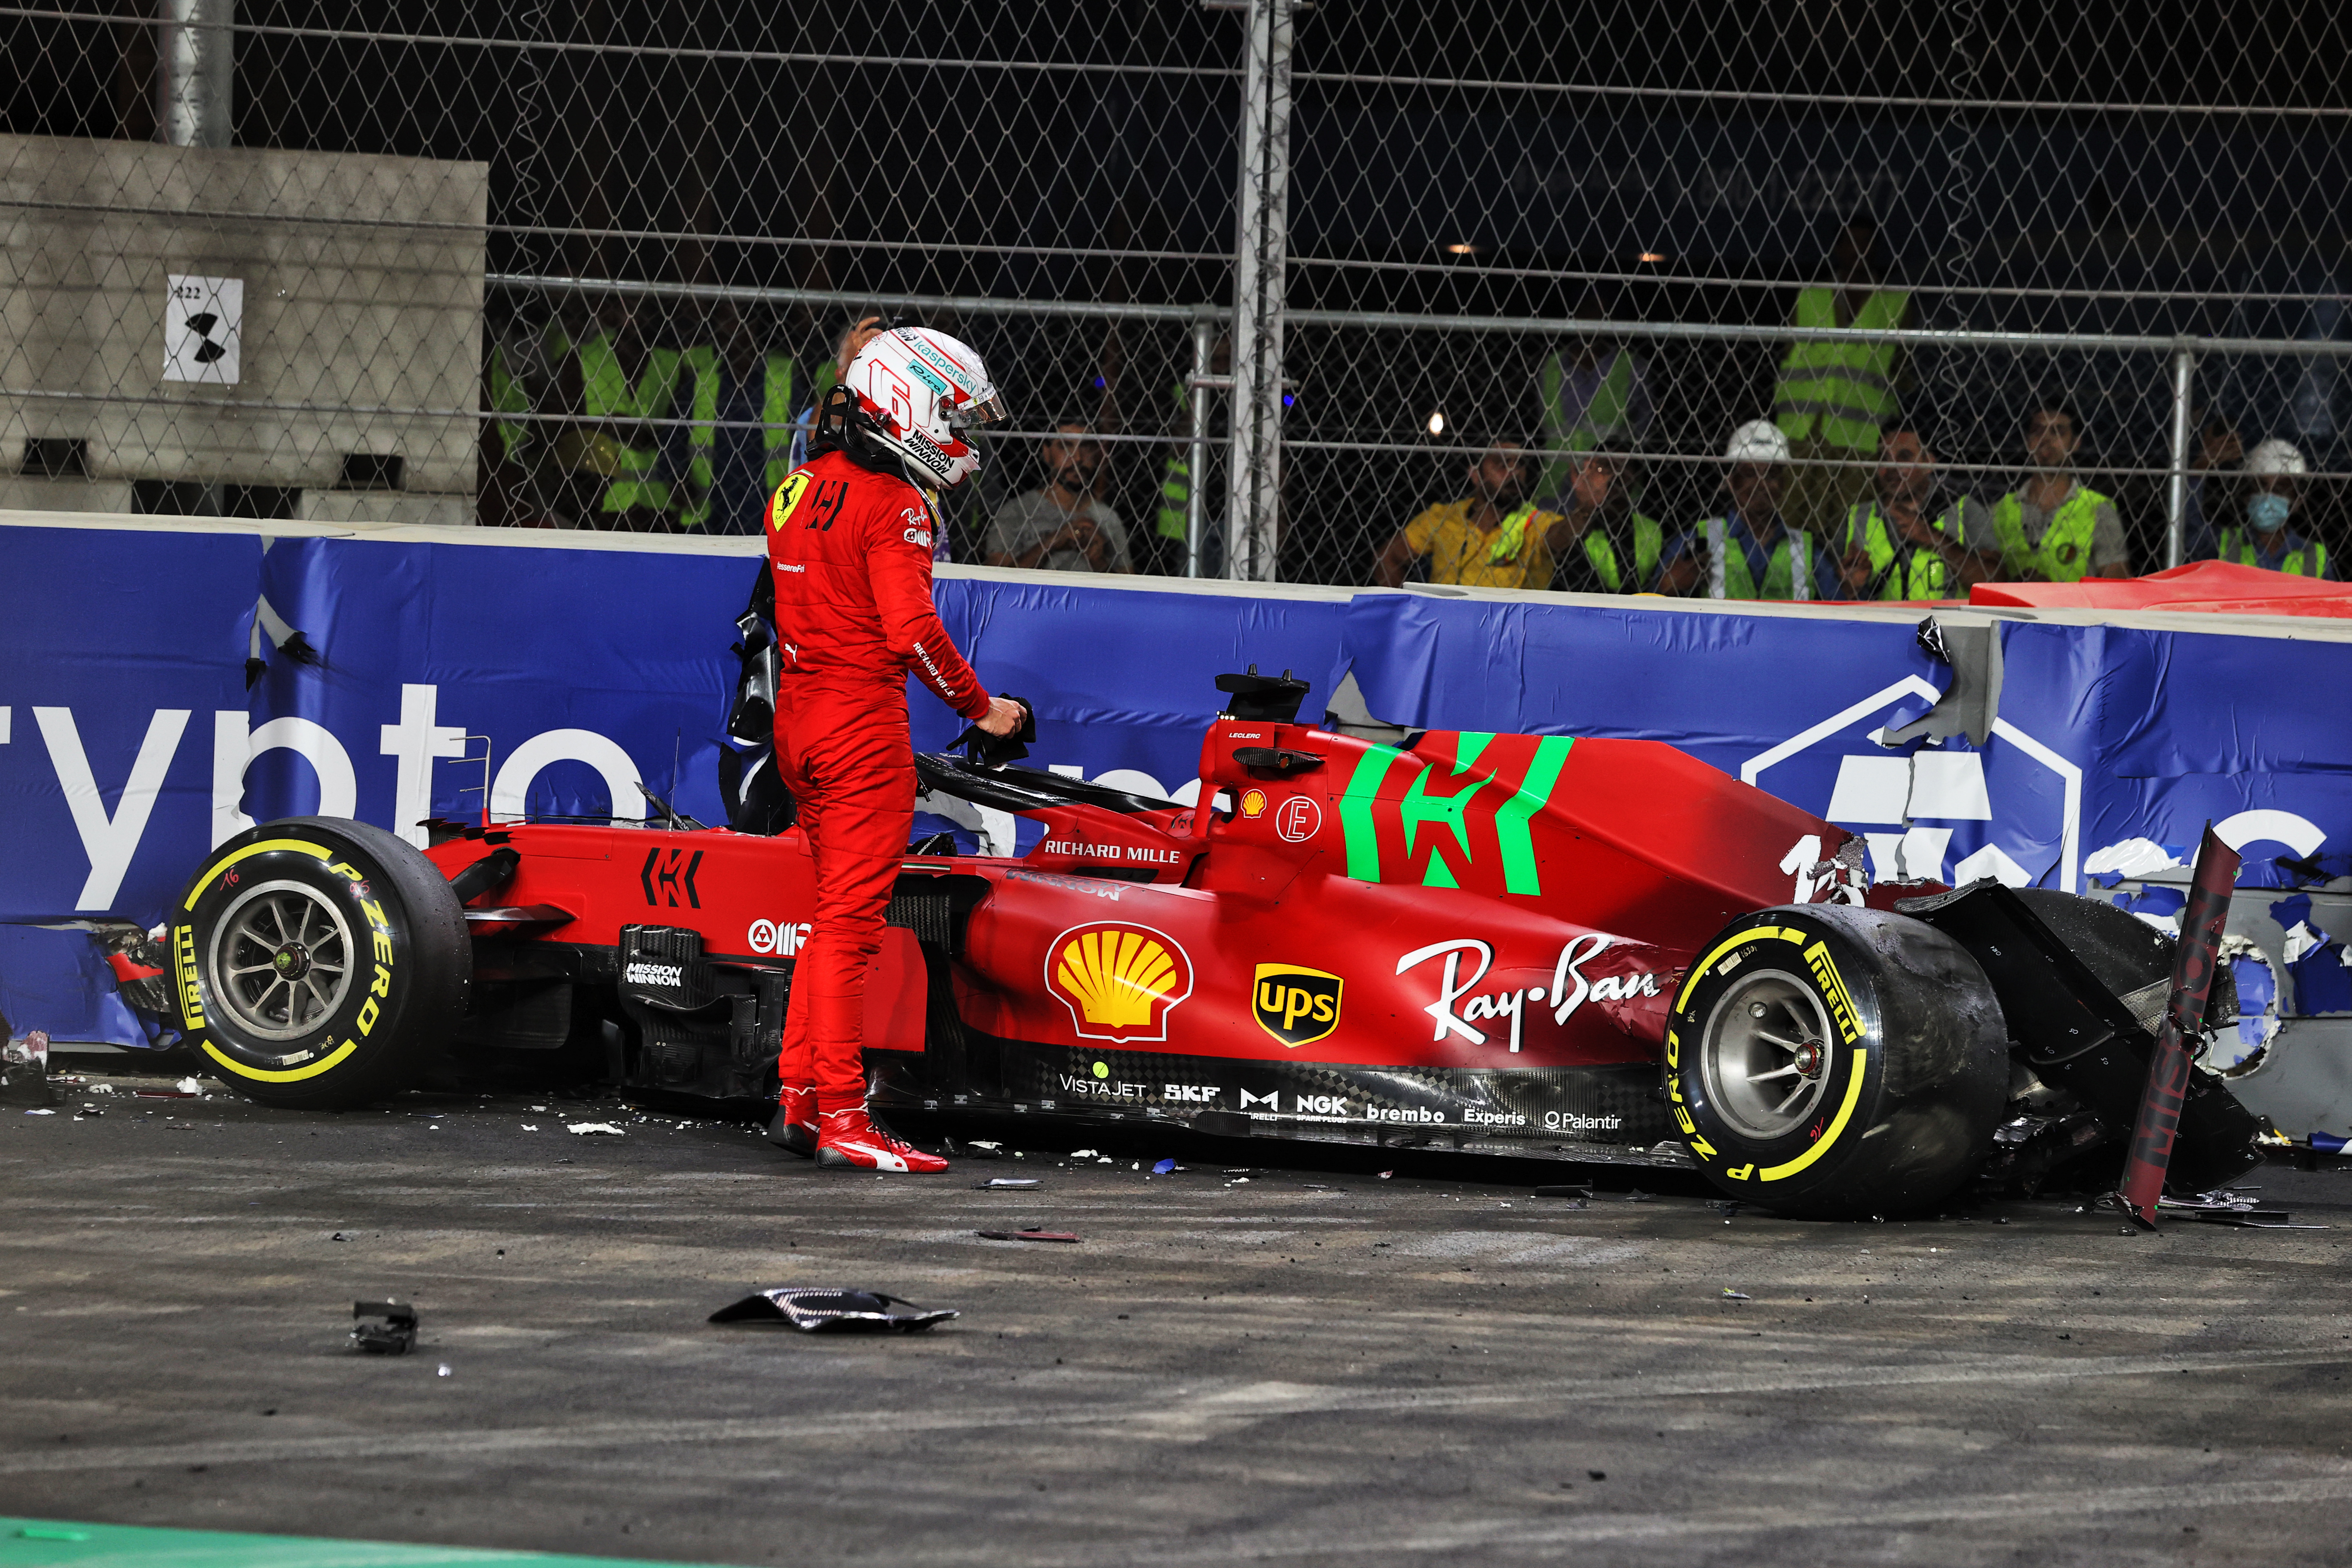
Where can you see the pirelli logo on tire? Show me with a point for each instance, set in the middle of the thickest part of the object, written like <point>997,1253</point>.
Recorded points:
<point>1833,990</point>
<point>183,975</point>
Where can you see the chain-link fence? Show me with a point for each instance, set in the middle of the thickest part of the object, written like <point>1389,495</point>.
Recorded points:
<point>1291,269</point>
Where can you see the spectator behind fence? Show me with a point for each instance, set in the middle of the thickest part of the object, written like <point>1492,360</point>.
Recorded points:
<point>1596,393</point>
<point>2274,482</point>
<point>1751,552</point>
<point>1493,538</point>
<point>1060,526</point>
<point>737,459</point>
<point>622,386</point>
<point>2052,529</point>
<point>1834,396</point>
<point>1912,540</point>
<point>1615,548</point>
<point>853,337</point>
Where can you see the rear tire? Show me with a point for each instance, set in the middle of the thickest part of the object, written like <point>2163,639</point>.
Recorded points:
<point>319,963</point>
<point>1826,1061</point>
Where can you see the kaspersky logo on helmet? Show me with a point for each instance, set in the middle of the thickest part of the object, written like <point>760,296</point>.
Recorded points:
<point>1119,981</point>
<point>953,382</point>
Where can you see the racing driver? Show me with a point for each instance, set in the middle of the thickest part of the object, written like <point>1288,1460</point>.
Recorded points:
<point>849,541</point>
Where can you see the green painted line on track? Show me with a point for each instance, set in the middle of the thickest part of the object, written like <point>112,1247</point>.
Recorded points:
<point>60,1544</point>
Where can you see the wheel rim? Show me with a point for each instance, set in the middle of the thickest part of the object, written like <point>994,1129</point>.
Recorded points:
<point>280,961</point>
<point>1766,1055</point>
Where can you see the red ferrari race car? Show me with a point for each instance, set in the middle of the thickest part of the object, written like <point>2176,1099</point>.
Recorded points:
<point>1593,949</point>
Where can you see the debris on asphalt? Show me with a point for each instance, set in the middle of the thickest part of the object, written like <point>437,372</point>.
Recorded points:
<point>2232,1206</point>
<point>1026,1235</point>
<point>189,1086</point>
<point>1386,1174</point>
<point>1085,1153</point>
<point>1165,1167</point>
<point>586,1128</point>
<point>530,1126</point>
<point>444,1369</point>
<point>1005,1182</point>
<point>1731,1295</point>
<point>24,1069</point>
<point>164,1094</point>
<point>833,1311</point>
<point>40,1113</point>
<point>396,1335</point>
<point>985,1151</point>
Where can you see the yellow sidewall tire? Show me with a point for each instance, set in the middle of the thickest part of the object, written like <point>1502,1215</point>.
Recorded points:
<point>1899,1110</point>
<point>319,962</point>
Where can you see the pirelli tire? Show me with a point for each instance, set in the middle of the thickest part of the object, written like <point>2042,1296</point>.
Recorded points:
<point>319,963</point>
<point>1828,1062</point>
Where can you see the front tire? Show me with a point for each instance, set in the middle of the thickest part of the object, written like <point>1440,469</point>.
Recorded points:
<point>1827,1061</point>
<point>319,963</point>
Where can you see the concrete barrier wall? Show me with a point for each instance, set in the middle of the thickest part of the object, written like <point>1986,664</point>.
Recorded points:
<point>360,290</point>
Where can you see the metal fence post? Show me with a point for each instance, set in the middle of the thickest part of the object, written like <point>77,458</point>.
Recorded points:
<point>1254,490</point>
<point>196,72</point>
<point>2176,531</point>
<point>1204,341</point>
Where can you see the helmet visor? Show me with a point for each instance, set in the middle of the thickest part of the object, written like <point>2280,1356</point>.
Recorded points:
<point>988,410</point>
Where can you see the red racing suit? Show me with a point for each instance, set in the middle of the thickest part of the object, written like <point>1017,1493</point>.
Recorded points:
<point>850,550</point>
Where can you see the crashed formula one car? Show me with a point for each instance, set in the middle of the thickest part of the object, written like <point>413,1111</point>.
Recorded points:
<point>1602,950</point>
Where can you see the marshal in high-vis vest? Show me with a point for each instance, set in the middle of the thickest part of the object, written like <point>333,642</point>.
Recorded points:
<point>2052,528</point>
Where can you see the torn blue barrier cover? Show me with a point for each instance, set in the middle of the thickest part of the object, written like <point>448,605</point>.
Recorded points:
<point>833,1311</point>
<point>1163,1167</point>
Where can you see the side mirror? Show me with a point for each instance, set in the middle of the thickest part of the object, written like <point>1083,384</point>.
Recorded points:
<point>1263,699</point>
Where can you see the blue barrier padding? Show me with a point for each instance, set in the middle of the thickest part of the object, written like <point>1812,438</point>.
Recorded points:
<point>2169,703</point>
<point>609,665</point>
<point>121,645</point>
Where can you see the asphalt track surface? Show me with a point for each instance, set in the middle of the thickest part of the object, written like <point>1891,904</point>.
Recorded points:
<point>1310,1366</point>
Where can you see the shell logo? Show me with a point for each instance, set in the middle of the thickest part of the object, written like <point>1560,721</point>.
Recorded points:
<point>1118,981</point>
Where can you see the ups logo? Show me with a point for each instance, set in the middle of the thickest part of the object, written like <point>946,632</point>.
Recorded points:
<point>1295,1005</point>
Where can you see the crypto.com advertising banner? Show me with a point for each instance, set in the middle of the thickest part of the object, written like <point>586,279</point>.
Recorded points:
<point>405,677</point>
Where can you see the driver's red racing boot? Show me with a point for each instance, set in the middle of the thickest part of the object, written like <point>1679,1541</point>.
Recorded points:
<point>849,1138</point>
<point>794,1127</point>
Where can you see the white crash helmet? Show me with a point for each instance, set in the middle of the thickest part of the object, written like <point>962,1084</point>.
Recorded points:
<point>1758,441</point>
<point>2277,458</point>
<point>921,389</point>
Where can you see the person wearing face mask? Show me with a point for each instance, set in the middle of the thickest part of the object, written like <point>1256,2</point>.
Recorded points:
<point>2274,477</point>
<point>1060,526</point>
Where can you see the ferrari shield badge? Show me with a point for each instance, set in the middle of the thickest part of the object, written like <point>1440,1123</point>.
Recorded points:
<point>1295,1005</point>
